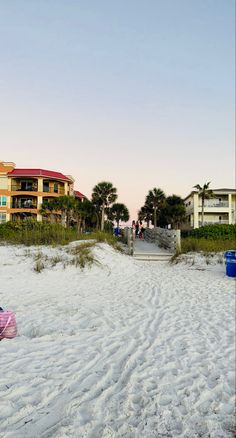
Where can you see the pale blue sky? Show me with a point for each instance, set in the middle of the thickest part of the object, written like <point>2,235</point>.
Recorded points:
<point>139,93</point>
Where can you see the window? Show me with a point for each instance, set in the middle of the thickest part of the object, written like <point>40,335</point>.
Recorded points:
<point>3,201</point>
<point>46,186</point>
<point>3,218</point>
<point>55,188</point>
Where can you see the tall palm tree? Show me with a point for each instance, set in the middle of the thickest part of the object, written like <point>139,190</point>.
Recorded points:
<point>205,193</point>
<point>104,194</point>
<point>119,212</point>
<point>156,200</point>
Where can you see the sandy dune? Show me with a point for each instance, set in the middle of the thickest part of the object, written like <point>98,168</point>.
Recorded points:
<point>124,349</point>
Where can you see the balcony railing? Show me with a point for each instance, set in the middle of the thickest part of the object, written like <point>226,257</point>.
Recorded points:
<point>30,188</point>
<point>213,222</point>
<point>23,205</point>
<point>216,204</point>
<point>23,202</point>
<point>59,190</point>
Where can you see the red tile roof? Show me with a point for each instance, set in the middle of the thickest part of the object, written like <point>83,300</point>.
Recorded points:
<point>39,172</point>
<point>78,194</point>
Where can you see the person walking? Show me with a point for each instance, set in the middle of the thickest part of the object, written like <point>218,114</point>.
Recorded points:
<point>136,229</point>
<point>141,230</point>
<point>133,229</point>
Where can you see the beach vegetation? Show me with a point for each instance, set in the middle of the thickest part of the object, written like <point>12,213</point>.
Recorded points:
<point>155,201</point>
<point>173,212</point>
<point>118,212</point>
<point>190,244</point>
<point>104,194</point>
<point>214,232</point>
<point>39,266</point>
<point>55,260</point>
<point>30,232</point>
<point>161,210</point>
<point>83,255</point>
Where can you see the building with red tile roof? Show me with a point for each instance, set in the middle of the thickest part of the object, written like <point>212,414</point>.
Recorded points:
<point>23,191</point>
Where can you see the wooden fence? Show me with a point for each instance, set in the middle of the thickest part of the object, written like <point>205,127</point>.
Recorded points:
<point>168,239</point>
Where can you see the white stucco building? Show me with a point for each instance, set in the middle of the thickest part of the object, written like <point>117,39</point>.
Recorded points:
<point>220,209</point>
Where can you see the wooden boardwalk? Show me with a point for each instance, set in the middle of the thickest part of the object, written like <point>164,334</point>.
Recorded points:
<point>143,250</point>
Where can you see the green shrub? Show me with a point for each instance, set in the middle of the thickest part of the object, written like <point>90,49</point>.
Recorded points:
<point>215,232</point>
<point>206,245</point>
<point>30,232</point>
<point>104,236</point>
<point>82,255</point>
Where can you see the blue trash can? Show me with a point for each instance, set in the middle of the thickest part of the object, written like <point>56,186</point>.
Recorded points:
<point>230,260</point>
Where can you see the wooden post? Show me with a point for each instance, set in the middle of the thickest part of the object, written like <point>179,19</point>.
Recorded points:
<point>130,241</point>
<point>178,241</point>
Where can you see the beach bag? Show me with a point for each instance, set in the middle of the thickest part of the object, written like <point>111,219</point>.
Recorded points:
<point>8,328</point>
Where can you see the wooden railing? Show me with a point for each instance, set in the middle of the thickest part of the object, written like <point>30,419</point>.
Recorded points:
<point>59,190</point>
<point>18,188</point>
<point>168,239</point>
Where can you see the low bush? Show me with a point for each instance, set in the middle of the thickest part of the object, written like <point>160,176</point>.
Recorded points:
<point>214,232</point>
<point>30,232</point>
<point>104,236</point>
<point>206,245</point>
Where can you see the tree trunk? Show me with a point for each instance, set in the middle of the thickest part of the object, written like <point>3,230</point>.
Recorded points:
<point>155,217</point>
<point>52,218</point>
<point>202,209</point>
<point>97,221</point>
<point>79,224</point>
<point>102,221</point>
<point>63,219</point>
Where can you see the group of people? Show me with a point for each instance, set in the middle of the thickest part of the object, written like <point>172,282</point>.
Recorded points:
<point>138,230</point>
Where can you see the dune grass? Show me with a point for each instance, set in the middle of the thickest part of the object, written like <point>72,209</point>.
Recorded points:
<point>189,244</point>
<point>30,232</point>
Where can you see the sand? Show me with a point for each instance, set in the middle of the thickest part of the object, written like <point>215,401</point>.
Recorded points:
<point>122,349</point>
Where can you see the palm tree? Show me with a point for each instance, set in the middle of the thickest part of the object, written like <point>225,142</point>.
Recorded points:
<point>119,212</point>
<point>104,194</point>
<point>156,200</point>
<point>85,211</point>
<point>205,193</point>
<point>146,214</point>
<point>174,212</point>
<point>48,208</point>
<point>64,204</point>
<point>67,205</point>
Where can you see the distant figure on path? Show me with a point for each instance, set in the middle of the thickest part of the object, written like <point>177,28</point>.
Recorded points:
<point>141,230</point>
<point>133,229</point>
<point>136,229</point>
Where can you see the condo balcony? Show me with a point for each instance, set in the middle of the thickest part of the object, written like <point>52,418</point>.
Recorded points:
<point>24,202</point>
<point>26,185</point>
<point>215,204</point>
<point>55,188</point>
<point>225,222</point>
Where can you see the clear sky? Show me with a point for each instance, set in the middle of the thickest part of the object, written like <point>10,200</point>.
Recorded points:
<point>140,93</point>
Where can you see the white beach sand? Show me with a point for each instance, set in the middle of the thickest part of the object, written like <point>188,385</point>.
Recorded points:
<point>124,349</point>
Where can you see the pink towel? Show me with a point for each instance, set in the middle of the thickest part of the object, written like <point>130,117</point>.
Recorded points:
<point>8,328</point>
